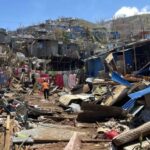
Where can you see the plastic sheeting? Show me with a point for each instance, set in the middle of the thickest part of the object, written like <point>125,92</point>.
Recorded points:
<point>20,56</point>
<point>140,93</point>
<point>134,97</point>
<point>119,79</point>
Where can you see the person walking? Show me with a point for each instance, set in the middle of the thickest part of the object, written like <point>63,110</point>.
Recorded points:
<point>45,88</point>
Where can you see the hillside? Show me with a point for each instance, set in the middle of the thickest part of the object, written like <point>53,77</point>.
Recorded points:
<point>87,35</point>
<point>129,25</point>
<point>87,24</point>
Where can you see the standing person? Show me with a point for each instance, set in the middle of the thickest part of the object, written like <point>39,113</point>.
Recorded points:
<point>33,79</point>
<point>45,87</point>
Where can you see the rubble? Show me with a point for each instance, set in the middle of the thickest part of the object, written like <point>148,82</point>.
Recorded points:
<point>100,113</point>
<point>133,134</point>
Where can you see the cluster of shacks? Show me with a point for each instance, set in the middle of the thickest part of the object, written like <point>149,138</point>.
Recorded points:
<point>109,110</point>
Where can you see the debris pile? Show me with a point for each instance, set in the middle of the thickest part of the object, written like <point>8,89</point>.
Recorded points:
<point>98,114</point>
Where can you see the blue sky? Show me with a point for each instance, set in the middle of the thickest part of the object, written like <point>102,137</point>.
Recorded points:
<point>16,13</point>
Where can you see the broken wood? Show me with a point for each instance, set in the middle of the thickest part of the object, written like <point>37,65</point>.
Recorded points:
<point>105,83</point>
<point>93,113</point>
<point>74,143</point>
<point>2,140</point>
<point>106,111</point>
<point>118,93</point>
<point>132,135</point>
<point>7,136</point>
<point>8,123</point>
<point>94,116</point>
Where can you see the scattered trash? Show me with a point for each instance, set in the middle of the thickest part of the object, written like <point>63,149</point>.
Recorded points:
<point>112,112</point>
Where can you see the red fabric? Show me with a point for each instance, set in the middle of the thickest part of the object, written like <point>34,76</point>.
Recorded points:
<point>16,72</point>
<point>72,80</point>
<point>59,80</point>
<point>44,75</point>
<point>40,80</point>
<point>111,134</point>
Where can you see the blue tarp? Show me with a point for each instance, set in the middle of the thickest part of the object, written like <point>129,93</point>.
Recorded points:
<point>117,78</point>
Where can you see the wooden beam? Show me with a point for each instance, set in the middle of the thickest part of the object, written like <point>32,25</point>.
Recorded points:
<point>8,123</point>
<point>132,135</point>
<point>7,137</point>
<point>135,59</point>
<point>124,62</point>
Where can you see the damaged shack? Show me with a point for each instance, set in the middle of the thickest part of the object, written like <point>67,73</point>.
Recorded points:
<point>44,48</point>
<point>96,100</point>
<point>61,56</point>
<point>132,57</point>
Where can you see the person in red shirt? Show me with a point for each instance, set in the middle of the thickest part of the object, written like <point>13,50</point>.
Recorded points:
<point>45,88</point>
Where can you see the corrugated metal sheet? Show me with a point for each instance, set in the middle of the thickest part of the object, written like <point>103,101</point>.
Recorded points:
<point>140,93</point>
<point>134,97</point>
<point>94,66</point>
<point>119,79</point>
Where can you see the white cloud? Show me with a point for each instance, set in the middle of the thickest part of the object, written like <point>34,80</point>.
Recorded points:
<point>131,11</point>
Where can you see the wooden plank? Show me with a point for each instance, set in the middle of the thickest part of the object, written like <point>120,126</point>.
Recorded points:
<point>74,143</point>
<point>105,83</point>
<point>99,113</point>
<point>16,147</point>
<point>7,140</point>
<point>9,130</point>
<point>132,135</point>
<point>8,123</point>
<point>119,92</point>
<point>83,141</point>
<point>2,140</point>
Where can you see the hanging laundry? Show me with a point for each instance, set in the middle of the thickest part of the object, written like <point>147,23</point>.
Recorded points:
<point>72,80</point>
<point>65,79</point>
<point>59,80</point>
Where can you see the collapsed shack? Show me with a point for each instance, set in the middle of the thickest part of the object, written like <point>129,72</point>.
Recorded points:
<point>114,114</point>
<point>60,57</point>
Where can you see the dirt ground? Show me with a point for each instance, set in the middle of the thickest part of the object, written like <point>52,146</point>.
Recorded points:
<point>62,118</point>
